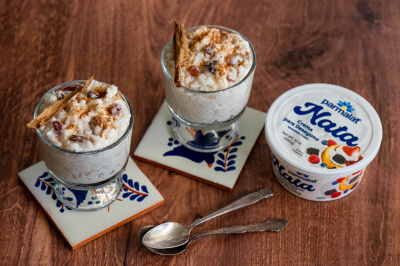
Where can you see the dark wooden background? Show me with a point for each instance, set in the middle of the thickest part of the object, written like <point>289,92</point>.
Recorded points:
<point>355,44</point>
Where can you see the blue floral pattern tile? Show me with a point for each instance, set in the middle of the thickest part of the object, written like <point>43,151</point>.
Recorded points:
<point>227,158</point>
<point>46,184</point>
<point>221,168</point>
<point>130,190</point>
<point>224,159</point>
<point>137,197</point>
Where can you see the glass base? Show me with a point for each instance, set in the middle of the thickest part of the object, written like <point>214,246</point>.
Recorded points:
<point>88,199</point>
<point>205,140</point>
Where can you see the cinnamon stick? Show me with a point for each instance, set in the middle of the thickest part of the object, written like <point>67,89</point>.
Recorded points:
<point>181,48</point>
<point>54,109</point>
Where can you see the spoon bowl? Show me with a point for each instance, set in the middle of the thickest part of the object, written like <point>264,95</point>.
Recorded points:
<point>159,236</point>
<point>167,251</point>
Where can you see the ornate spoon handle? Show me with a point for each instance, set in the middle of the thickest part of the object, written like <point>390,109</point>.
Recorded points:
<point>240,203</point>
<point>272,225</point>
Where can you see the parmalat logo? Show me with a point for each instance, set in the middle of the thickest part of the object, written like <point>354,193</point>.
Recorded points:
<point>346,106</point>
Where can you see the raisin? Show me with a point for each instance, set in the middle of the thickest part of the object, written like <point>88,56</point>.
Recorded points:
<point>231,60</point>
<point>76,138</point>
<point>312,151</point>
<point>210,66</point>
<point>194,71</point>
<point>71,87</point>
<point>58,127</point>
<point>96,124</point>
<point>115,109</point>
<point>93,95</point>
<point>189,36</point>
<point>60,95</point>
<point>339,159</point>
<point>232,75</point>
<point>80,138</point>
<point>247,55</point>
<point>224,35</point>
<point>209,49</point>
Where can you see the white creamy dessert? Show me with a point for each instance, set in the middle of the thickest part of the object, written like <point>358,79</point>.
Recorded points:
<point>87,142</point>
<point>92,120</point>
<point>217,75</point>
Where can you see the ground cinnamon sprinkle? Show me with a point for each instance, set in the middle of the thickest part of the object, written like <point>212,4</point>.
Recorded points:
<point>54,109</point>
<point>180,49</point>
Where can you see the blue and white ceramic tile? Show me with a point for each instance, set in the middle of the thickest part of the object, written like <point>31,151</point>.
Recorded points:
<point>220,169</point>
<point>79,227</point>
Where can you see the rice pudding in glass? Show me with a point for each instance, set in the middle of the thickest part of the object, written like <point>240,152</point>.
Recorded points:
<point>217,75</point>
<point>86,145</point>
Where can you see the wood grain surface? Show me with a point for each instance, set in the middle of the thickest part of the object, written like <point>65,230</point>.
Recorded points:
<point>354,44</point>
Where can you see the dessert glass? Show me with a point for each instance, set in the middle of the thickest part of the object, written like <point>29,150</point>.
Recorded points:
<point>86,180</point>
<point>207,121</point>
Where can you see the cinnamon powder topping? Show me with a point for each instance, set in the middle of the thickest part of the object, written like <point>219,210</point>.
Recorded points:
<point>54,109</point>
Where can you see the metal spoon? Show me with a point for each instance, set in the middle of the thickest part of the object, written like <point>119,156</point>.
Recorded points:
<point>272,225</point>
<point>171,234</point>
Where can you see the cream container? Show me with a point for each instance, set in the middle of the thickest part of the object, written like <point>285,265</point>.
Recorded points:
<point>322,138</point>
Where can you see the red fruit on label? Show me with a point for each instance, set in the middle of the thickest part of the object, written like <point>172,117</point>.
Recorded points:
<point>350,150</point>
<point>348,163</point>
<point>340,179</point>
<point>313,159</point>
<point>336,194</point>
<point>331,142</point>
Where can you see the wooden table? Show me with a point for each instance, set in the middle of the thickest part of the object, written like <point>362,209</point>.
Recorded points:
<point>355,44</point>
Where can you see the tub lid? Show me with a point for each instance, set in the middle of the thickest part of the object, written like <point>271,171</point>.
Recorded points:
<point>323,129</point>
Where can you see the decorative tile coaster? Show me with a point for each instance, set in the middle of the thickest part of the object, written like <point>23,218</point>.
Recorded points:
<point>79,227</point>
<point>220,169</point>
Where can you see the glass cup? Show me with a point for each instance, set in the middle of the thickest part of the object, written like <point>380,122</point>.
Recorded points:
<point>86,180</point>
<point>207,121</point>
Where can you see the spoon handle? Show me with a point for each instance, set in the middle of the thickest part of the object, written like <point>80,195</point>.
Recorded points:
<point>240,203</point>
<point>272,225</point>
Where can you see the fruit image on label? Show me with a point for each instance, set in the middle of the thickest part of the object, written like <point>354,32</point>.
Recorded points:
<point>326,158</point>
<point>341,186</point>
<point>331,143</point>
<point>314,159</point>
<point>335,155</point>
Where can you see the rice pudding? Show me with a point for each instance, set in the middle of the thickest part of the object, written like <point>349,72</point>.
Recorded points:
<point>92,120</point>
<point>217,73</point>
<point>88,141</point>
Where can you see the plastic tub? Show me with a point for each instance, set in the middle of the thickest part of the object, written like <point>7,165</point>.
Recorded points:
<point>322,138</point>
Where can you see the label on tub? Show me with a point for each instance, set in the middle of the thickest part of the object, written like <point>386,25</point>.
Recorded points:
<point>312,187</point>
<point>325,133</point>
